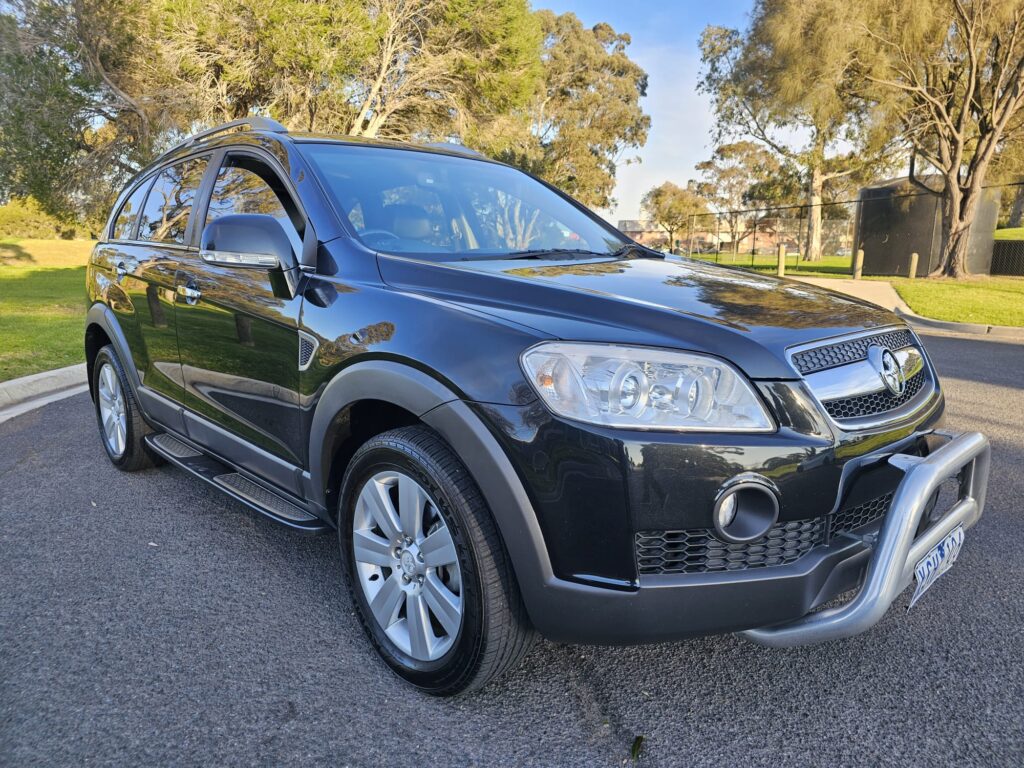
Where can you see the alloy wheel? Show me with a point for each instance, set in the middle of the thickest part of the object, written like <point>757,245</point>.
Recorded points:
<point>113,410</point>
<point>407,565</point>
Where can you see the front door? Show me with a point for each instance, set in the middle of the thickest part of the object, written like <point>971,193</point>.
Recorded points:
<point>238,335</point>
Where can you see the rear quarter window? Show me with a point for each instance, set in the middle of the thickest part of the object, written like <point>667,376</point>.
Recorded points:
<point>125,221</point>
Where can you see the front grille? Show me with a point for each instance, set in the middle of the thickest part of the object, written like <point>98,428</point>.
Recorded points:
<point>845,352</point>
<point>876,402</point>
<point>699,551</point>
<point>862,515</point>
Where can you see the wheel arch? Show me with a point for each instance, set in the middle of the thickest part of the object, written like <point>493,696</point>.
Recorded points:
<point>101,329</point>
<point>422,398</point>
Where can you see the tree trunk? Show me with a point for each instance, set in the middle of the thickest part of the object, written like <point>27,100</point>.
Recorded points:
<point>958,211</point>
<point>815,191</point>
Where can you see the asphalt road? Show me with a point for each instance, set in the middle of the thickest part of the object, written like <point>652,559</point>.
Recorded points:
<point>147,620</point>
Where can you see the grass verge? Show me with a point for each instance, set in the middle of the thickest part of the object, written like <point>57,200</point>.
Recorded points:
<point>42,304</point>
<point>986,300</point>
<point>1016,233</point>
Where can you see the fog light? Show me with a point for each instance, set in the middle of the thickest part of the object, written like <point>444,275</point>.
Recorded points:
<point>745,510</point>
<point>727,511</point>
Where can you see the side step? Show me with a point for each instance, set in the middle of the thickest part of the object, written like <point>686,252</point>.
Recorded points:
<point>234,484</point>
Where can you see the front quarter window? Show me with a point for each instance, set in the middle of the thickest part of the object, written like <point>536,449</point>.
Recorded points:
<point>440,207</point>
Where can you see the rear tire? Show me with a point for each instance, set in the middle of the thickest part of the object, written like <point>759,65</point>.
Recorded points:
<point>472,626</point>
<point>122,427</point>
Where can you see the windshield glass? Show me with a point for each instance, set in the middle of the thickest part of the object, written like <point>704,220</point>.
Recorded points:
<point>441,207</point>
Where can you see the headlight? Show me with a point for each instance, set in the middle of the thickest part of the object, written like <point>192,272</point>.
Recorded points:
<point>641,388</point>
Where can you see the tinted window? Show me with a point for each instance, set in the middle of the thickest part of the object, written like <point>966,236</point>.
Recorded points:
<point>246,185</point>
<point>403,201</point>
<point>129,211</point>
<point>169,205</point>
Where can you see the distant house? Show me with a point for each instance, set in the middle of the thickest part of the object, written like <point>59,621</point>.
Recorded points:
<point>644,232</point>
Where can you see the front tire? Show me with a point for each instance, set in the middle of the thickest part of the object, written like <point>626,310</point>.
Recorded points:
<point>426,566</point>
<point>122,427</point>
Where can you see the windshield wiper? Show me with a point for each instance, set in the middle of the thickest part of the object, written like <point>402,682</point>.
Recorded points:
<point>550,253</point>
<point>637,250</point>
<point>535,253</point>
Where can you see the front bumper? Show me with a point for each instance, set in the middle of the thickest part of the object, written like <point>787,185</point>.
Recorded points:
<point>890,569</point>
<point>775,606</point>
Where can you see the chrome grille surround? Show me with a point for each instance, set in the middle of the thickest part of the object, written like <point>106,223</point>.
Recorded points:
<point>851,392</point>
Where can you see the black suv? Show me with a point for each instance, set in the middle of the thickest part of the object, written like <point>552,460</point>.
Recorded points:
<point>515,418</point>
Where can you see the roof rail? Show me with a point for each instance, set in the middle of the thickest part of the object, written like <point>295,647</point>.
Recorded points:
<point>254,123</point>
<point>452,147</point>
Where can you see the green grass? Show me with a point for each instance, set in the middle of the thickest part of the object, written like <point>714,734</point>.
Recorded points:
<point>829,266</point>
<point>1010,234</point>
<point>42,304</point>
<point>986,300</point>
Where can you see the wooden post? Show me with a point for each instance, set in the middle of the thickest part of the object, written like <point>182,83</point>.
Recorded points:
<point>753,245</point>
<point>858,264</point>
<point>782,260</point>
<point>913,265</point>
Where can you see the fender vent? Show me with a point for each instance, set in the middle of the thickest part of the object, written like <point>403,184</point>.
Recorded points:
<point>308,346</point>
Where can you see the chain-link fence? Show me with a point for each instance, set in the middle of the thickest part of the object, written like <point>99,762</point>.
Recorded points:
<point>889,222</point>
<point>752,238</point>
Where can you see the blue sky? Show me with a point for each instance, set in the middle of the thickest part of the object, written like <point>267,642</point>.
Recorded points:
<point>665,44</point>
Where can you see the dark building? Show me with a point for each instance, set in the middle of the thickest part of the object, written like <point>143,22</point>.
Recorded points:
<point>896,218</point>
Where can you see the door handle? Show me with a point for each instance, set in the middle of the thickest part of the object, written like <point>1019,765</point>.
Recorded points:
<point>190,294</point>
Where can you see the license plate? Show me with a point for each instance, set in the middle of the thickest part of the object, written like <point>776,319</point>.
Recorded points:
<point>939,560</point>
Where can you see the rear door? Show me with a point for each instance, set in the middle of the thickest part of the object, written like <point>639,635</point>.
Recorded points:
<point>238,333</point>
<point>145,258</point>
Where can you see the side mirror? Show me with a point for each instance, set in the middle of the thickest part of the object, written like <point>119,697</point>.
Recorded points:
<point>247,240</point>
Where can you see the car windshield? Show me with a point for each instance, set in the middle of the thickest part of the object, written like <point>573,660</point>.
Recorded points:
<point>442,207</point>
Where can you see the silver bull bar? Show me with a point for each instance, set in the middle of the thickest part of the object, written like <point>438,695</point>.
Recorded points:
<point>896,552</point>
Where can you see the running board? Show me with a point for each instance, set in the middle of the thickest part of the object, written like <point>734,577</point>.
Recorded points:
<point>234,484</point>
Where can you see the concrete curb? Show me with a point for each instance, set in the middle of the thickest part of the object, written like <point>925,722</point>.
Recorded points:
<point>974,329</point>
<point>18,396</point>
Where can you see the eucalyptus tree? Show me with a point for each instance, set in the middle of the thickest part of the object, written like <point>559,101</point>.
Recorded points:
<point>951,75</point>
<point>672,208</point>
<point>739,178</point>
<point>785,83</point>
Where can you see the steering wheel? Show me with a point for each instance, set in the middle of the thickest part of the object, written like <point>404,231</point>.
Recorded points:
<point>383,234</point>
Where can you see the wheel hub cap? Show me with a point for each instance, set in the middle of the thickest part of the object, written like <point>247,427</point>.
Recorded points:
<point>407,565</point>
<point>408,561</point>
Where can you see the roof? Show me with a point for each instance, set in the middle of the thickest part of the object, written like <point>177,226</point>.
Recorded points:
<point>261,126</point>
